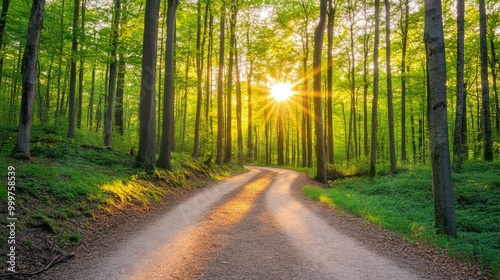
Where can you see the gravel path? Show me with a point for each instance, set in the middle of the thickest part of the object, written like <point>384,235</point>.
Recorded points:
<point>251,226</point>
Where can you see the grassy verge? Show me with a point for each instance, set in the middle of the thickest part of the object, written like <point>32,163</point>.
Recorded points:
<point>404,204</point>
<point>70,185</point>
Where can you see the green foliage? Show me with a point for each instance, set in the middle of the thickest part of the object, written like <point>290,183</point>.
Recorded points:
<point>404,204</point>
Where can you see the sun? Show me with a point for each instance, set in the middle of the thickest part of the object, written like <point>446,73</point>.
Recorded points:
<point>281,91</point>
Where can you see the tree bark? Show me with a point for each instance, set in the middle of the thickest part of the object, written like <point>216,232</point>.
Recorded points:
<point>281,128</point>
<point>108,115</point>
<point>373,153</point>
<point>229,102</point>
<point>167,139</point>
<point>444,211</point>
<point>220,90</point>
<point>318,115</point>
<point>494,74</point>
<point>28,69</point>
<point>81,70</point>
<point>146,155</point>
<point>390,109</point>
<point>329,83</point>
<point>3,23</point>
<point>72,77</point>
<point>404,37</point>
<point>199,74</point>
<point>239,108</point>
<point>485,89</point>
<point>459,148</point>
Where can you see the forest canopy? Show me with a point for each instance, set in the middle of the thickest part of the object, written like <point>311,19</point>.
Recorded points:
<point>91,55</point>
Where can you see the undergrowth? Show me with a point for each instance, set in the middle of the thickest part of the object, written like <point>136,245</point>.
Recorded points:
<point>404,204</point>
<point>74,180</point>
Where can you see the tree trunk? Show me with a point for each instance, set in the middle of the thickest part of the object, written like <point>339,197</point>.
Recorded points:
<point>28,69</point>
<point>390,110</point>
<point>485,90</point>
<point>366,50</point>
<point>238,110</point>
<point>229,102</point>
<point>184,110</point>
<point>120,89</point>
<point>199,76</point>
<point>444,211</point>
<point>3,23</point>
<point>373,154</point>
<point>146,155</point>
<point>80,74</point>
<point>167,139</point>
<point>59,71</point>
<point>108,116</point>
<point>281,128</point>
<point>329,84</point>
<point>220,90</point>
<point>494,73</point>
<point>404,37</point>
<point>72,77</point>
<point>318,116</point>
<point>458,140</point>
<point>91,100</point>
<point>250,148</point>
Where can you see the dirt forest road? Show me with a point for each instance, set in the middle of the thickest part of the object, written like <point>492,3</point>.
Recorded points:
<point>255,225</point>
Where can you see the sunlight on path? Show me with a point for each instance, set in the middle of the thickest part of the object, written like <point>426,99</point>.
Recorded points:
<point>338,255</point>
<point>165,238</point>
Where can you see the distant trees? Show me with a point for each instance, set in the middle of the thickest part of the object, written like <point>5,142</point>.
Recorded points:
<point>225,111</point>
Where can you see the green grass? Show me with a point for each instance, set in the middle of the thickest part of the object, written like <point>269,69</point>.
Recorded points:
<point>68,182</point>
<point>404,204</point>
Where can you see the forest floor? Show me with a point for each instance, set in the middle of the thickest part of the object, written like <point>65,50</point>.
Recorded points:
<point>73,192</point>
<point>257,225</point>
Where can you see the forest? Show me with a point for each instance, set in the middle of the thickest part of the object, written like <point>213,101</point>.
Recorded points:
<point>341,86</point>
<point>225,57</point>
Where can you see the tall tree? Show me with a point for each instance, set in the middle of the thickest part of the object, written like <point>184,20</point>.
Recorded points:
<point>79,110</point>
<point>28,70</point>
<point>373,153</point>
<point>459,140</point>
<point>404,24</point>
<point>318,115</point>
<point>146,156</point>
<point>444,209</point>
<point>485,90</point>
<point>199,74</point>
<point>329,84</point>
<point>390,109</point>
<point>108,115</point>
<point>239,108</point>
<point>229,112</point>
<point>494,74</point>
<point>220,90</point>
<point>3,24</point>
<point>72,77</point>
<point>281,133</point>
<point>120,81</point>
<point>167,139</point>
